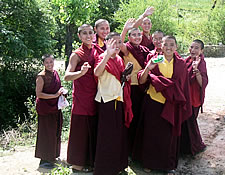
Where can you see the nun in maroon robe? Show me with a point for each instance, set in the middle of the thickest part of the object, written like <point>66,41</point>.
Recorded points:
<point>140,54</point>
<point>157,141</point>
<point>83,127</point>
<point>49,119</point>
<point>191,140</point>
<point>111,152</point>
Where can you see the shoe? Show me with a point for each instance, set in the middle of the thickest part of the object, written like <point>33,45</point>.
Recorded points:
<point>46,164</point>
<point>83,170</point>
<point>147,170</point>
<point>170,172</point>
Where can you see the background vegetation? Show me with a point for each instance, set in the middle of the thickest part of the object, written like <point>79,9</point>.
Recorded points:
<point>31,28</point>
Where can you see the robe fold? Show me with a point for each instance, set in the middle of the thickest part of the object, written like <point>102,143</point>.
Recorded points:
<point>50,119</point>
<point>139,53</point>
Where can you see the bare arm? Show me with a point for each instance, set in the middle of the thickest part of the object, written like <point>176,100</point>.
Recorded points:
<point>70,75</point>
<point>39,89</point>
<point>147,13</point>
<point>198,73</point>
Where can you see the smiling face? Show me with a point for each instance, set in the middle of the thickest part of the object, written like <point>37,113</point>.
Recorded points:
<point>146,25</point>
<point>169,46</point>
<point>102,30</point>
<point>157,39</point>
<point>135,37</point>
<point>49,63</point>
<point>86,35</point>
<point>195,49</point>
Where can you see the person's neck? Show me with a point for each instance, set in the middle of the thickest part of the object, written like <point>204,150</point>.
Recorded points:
<point>88,45</point>
<point>168,57</point>
<point>146,33</point>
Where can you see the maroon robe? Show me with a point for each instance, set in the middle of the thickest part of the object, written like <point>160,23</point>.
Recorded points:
<point>111,151</point>
<point>191,140</point>
<point>157,141</point>
<point>49,119</point>
<point>140,54</point>
<point>147,42</point>
<point>83,127</point>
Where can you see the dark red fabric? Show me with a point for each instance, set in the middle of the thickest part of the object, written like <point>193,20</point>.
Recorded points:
<point>191,140</point>
<point>196,90</point>
<point>176,90</point>
<point>85,88</point>
<point>96,42</point>
<point>82,140</point>
<point>139,52</point>
<point>111,150</point>
<point>49,136</point>
<point>116,66</point>
<point>147,42</point>
<point>155,145</point>
<point>49,106</point>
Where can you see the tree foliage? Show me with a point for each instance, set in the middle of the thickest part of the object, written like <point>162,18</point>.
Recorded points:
<point>24,37</point>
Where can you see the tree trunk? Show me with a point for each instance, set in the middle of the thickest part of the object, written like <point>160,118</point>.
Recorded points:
<point>69,41</point>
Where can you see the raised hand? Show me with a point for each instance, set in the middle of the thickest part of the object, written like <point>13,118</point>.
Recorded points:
<point>111,47</point>
<point>195,64</point>
<point>150,65</point>
<point>85,67</point>
<point>129,24</point>
<point>148,11</point>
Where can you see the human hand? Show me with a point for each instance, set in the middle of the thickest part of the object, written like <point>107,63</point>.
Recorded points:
<point>148,11</point>
<point>195,64</point>
<point>110,47</point>
<point>128,77</point>
<point>60,91</point>
<point>129,24</point>
<point>84,68</point>
<point>150,65</point>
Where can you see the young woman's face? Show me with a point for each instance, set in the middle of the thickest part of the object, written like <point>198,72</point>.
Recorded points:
<point>135,37</point>
<point>168,47</point>
<point>146,25</point>
<point>49,64</point>
<point>86,35</point>
<point>157,40</point>
<point>195,49</point>
<point>103,30</point>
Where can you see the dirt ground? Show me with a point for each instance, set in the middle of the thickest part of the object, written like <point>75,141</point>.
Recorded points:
<point>211,122</point>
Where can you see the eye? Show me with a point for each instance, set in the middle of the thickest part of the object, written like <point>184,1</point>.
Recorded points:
<point>90,32</point>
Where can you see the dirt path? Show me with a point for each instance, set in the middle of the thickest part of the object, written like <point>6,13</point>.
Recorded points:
<point>212,126</point>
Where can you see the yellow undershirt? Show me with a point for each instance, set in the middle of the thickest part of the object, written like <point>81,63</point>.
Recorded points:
<point>136,67</point>
<point>100,42</point>
<point>166,68</point>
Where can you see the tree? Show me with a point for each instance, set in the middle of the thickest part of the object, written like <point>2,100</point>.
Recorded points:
<point>24,37</point>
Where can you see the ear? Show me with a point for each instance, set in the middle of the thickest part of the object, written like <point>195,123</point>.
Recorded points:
<point>78,36</point>
<point>95,29</point>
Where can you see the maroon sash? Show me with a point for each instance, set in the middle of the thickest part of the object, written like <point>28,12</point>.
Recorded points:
<point>140,52</point>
